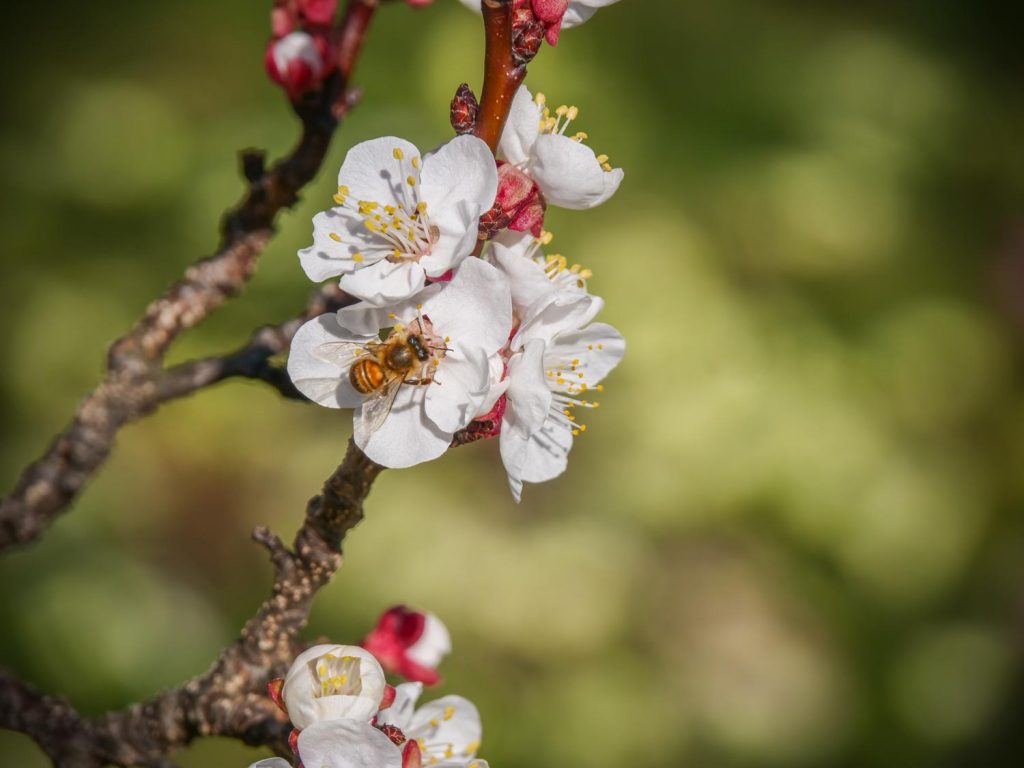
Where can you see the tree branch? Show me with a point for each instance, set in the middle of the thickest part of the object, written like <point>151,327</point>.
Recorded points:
<point>503,74</point>
<point>230,699</point>
<point>134,384</point>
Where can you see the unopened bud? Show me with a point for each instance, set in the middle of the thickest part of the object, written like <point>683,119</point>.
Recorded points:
<point>465,109</point>
<point>394,733</point>
<point>411,643</point>
<point>296,62</point>
<point>411,755</point>
<point>317,11</point>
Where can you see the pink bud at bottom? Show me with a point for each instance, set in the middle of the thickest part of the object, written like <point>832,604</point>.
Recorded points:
<point>411,755</point>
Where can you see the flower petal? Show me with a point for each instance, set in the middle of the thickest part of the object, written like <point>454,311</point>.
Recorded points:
<point>460,385</point>
<point>369,319</point>
<point>318,365</point>
<point>450,726</point>
<point>598,347</point>
<point>385,282</point>
<point>547,452</point>
<point>330,257</point>
<point>556,313</point>
<point>521,129</point>
<point>461,169</point>
<point>528,404</point>
<point>347,744</point>
<point>457,227</point>
<point>407,437</point>
<point>400,712</point>
<point>475,308</point>
<point>371,172</point>
<point>569,175</point>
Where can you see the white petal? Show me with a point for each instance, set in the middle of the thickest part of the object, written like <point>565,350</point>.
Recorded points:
<point>301,690</point>
<point>328,257</point>
<point>451,721</point>
<point>347,744</point>
<point>407,436</point>
<point>385,282</point>
<point>314,376</point>
<point>528,404</point>
<point>497,387</point>
<point>475,308</point>
<point>371,172</point>
<point>580,11</point>
<point>522,129</point>
<point>369,319</point>
<point>599,347</point>
<point>434,644</point>
<point>460,386</point>
<point>462,169</point>
<point>401,710</point>
<point>457,228</point>
<point>569,175</point>
<point>547,452</point>
<point>527,279</point>
<point>556,313</point>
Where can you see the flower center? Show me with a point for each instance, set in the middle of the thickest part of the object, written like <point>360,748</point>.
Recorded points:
<point>336,676</point>
<point>558,124</point>
<point>403,227</point>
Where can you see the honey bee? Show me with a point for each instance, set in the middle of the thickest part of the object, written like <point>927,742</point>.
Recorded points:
<point>379,368</point>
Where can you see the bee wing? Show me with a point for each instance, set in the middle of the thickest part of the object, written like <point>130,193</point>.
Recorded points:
<point>344,353</point>
<point>378,405</point>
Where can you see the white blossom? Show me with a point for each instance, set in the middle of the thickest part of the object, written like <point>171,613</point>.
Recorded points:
<point>463,324</point>
<point>448,729</point>
<point>568,172</point>
<point>401,219</point>
<point>555,361</point>
<point>333,682</point>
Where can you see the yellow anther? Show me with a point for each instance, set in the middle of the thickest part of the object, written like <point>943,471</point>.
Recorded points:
<point>415,162</point>
<point>540,99</point>
<point>339,199</point>
<point>572,113</point>
<point>472,747</point>
<point>449,712</point>
<point>575,433</point>
<point>335,237</point>
<point>447,339</point>
<point>586,274</point>
<point>545,237</point>
<point>561,110</point>
<point>435,722</point>
<point>574,268</point>
<point>599,387</point>
<point>392,316</point>
<point>600,346</point>
<point>390,210</point>
<point>580,375</point>
<point>576,361</point>
<point>410,180</point>
<point>590,346</point>
<point>583,427</point>
<point>343,190</point>
<point>606,166</point>
<point>559,380</point>
<point>371,225</point>
<point>602,159</point>
<point>449,753</point>
<point>399,154</point>
<point>357,257</point>
<point>567,412</point>
<point>399,327</point>
<point>580,136</point>
<point>421,207</point>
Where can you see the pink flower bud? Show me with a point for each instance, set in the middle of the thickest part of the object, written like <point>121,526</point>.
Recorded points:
<point>410,643</point>
<point>317,11</point>
<point>464,110</point>
<point>520,200</point>
<point>419,3</point>
<point>296,62</point>
<point>281,22</point>
<point>549,11</point>
<point>412,757</point>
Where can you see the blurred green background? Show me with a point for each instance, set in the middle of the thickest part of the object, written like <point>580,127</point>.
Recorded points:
<point>792,535</point>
